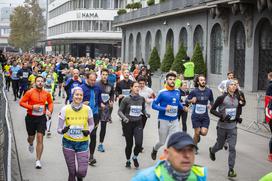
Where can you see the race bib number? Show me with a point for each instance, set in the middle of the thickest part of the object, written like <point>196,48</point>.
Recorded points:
<point>14,74</point>
<point>200,109</point>
<point>105,97</point>
<point>231,112</point>
<point>75,132</point>
<point>126,92</point>
<point>173,112</point>
<point>135,111</point>
<point>39,112</point>
<point>25,74</point>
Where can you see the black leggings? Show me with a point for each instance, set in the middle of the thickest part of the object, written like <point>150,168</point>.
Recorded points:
<point>133,129</point>
<point>15,87</point>
<point>93,136</point>
<point>103,131</point>
<point>8,80</point>
<point>270,142</point>
<point>183,116</point>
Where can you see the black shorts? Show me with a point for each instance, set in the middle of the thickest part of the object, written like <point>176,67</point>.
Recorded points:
<point>35,124</point>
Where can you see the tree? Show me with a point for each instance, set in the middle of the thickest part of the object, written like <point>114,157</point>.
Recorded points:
<point>179,60</point>
<point>154,60</point>
<point>200,66</point>
<point>168,59</point>
<point>27,25</point>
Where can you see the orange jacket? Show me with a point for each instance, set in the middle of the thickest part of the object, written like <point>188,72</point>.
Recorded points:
<point>36,97</point>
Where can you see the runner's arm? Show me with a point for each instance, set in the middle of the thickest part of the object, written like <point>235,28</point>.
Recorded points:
<point>217,102</point>
<point>156,102</point>
<point>122,108</point>
<point>61,120</point>
<point>24,101</point>
<point>90,120</point>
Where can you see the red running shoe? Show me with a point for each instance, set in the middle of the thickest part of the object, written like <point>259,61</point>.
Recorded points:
<point>270,157</point>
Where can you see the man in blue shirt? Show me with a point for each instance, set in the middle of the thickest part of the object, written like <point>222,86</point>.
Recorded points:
<point>202,99</point>
<point>14,69</point>
<point>92,98</point>
<point>168,104</point>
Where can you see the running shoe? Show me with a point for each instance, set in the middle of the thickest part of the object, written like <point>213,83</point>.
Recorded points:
<point>31,148</point>
<point>128,164</point>
<point>212,155</point>
<point>226,146</point>
<point>232,173</point>
<point>154,154</point>
<point>135,162</point>
<point>270,157</point>
<point>38,164</point>
<point>92,161</point>
<point>101,148</point>
<point>79,179</point>
<point>48,134</point>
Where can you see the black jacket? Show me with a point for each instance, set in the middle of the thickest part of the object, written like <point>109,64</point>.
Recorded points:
<point>269,89</point>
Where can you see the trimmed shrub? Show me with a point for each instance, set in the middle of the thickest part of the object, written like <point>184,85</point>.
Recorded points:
<point>197,58</point>
<point>136,5</point>
<point>179,60</point>
<point>129,6</point>
<point>121,11</point>
<point>154,60</point>
<point>150,2</point>
<point>168,59</point>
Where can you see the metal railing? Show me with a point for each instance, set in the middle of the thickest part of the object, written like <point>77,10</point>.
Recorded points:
<point>5,135</point>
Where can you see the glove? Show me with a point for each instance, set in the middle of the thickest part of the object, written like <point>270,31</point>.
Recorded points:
<point>147,115</point>
<point>227,118</point>
<point>126,120</point>
<point>65,129</point>
<point>85,132</point>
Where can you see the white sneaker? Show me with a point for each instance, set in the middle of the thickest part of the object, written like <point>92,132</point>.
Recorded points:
<point>31,148</point>
<point>38,164</point>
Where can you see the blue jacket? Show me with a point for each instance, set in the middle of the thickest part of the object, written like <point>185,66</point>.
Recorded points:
<point>154,174</point>
<point>168,97</point>
<point>87,93</point>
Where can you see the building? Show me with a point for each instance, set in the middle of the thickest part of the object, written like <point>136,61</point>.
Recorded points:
<point>84,27</point>
<point>5,12</point>
<point>235,35</point>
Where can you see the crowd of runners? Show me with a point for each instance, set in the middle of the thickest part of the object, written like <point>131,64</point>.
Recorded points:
<point>89,88</point>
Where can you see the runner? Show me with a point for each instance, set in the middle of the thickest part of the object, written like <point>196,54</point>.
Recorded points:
<point>15,79</point>
<point>34,101</point>
<point>131,110</point>
<point>106,106</point>
<point>222,86</point>
<point>225,108</point>
<point>76,123</point>
<point>23,75</point>
<point>202,99</point>
<point>168,104</point>
<point>184,92</point>
<point>269,121</point>
<point>92,98</point>
<point>7,75</point>
<point>71,83</point>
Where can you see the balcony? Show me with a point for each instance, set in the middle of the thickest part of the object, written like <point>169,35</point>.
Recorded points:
<point>168,8</point>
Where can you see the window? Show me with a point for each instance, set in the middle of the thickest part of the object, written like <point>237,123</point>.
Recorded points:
<point>96,4</point>
<point>216,50</point>
<point>104,26</point>
<point>105,4</point>
<point>95,25</point>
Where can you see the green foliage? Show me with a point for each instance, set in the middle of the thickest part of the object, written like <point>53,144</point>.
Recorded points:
<point>136,5</point>
<point>168,59</point>
<point>161,1</point>
<point>150,2</point>
<point>27,25</point>
<point>121,11</point>
<point>197,58</point>
<point>179,60</point>
<point>154,60</point>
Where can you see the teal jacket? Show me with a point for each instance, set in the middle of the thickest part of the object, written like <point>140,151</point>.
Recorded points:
<point>155,173</point>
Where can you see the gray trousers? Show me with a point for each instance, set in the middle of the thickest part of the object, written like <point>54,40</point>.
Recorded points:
<point>224,135</point>
<point>166,128</point>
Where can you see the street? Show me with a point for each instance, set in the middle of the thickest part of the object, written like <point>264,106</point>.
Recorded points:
<point>251,161</point>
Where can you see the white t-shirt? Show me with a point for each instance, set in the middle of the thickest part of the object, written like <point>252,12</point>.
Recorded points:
<point>147,92</point>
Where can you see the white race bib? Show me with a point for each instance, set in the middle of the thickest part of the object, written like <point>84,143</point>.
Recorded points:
<point>135,111</point>
<point>200,108</point>
<point>75,131</point>
<point>173,112</point>
<point>231,112</point>
<point>126,92</point>
<point>105,97</point>
<point>39,112</point>
<point>25,74</point>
